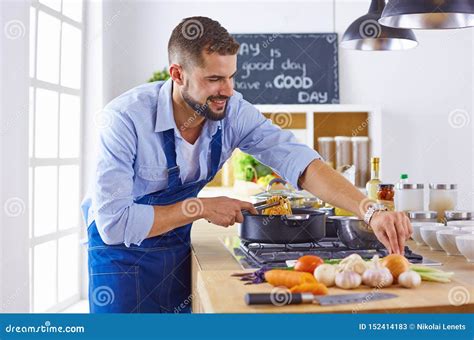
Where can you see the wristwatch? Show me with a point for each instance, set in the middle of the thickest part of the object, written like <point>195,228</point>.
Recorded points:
<point>371,211</point>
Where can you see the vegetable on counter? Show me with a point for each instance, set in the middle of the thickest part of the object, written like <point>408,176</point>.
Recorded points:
<point>409,279</point>
<point>432,274</point>
<point>315,288</point>
<point>308,263</point>
<point>353,263</point>
<point>288,278</point>
<point>396,263</point>
<point>255,277</point>
<point>348,279</point>
<point>326,274</point>
<point>377,276</point>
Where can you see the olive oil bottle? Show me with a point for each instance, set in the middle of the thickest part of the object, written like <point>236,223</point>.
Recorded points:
<point>373,183</point>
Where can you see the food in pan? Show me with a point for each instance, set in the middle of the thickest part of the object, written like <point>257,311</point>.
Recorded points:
<point>284,208</point>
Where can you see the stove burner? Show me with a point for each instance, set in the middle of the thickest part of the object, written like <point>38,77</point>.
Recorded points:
<point>276,255</point>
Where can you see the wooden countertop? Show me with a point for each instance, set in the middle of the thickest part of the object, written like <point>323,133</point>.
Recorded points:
<point>215,291</point>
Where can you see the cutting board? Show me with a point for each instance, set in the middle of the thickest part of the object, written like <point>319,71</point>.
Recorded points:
<point>220,293</point>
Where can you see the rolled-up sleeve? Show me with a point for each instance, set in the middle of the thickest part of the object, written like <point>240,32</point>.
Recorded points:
<point>118,218</point>
<point>271,145</point>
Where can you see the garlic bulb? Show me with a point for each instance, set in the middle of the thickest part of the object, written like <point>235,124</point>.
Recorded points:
<point>353,263</point>
<point>377,276</point>
<point>325,274</point>
<point>409,279</point>
<point>348,279</point>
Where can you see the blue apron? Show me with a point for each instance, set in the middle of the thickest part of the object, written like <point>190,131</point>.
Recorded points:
<point>154,277</point>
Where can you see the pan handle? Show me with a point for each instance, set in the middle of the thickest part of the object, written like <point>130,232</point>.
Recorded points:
<point>296,217</point>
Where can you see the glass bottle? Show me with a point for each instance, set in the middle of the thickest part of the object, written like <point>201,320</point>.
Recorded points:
<point>385,195</point>
<point>372,185</point>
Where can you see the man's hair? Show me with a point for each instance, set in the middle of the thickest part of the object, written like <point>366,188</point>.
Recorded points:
<point>195,35</point>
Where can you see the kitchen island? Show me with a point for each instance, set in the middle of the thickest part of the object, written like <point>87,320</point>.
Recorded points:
<point>216,291</point>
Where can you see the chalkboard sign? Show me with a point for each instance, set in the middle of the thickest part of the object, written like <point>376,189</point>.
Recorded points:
<point>288,68</point>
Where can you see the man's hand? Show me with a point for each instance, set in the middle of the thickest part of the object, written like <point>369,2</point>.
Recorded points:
<point>393,229</point>
<point>225,211</point>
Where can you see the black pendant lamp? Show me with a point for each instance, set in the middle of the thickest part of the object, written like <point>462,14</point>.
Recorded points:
<point>367,34</point>
<point>428,14</point>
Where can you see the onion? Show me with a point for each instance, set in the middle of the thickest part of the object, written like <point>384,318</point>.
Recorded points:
<point>397,264</point>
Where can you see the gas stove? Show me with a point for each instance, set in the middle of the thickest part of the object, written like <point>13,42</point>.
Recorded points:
<point>257,255</point>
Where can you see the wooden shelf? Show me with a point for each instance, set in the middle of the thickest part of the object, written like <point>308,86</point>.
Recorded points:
<point>325,120</point>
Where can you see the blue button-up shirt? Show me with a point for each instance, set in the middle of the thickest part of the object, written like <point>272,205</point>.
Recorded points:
<point>131,162</point>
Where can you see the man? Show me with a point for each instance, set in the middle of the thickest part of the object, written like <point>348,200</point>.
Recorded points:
<point>165,141</point>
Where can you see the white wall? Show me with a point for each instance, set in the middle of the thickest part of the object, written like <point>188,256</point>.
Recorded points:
<point>14,82</point>
<point>417,90</point>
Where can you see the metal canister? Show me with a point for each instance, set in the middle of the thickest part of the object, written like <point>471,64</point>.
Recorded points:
<point>422,216</point>
<point>409,197</point>
<point>458,215</point>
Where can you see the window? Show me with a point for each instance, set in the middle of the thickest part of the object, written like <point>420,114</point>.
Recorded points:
<point>56,31</point>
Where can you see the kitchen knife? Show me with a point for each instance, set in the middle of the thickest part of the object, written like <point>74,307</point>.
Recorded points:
<point>283,298</point>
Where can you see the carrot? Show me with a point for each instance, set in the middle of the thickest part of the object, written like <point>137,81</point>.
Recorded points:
<point>315,288</point>
<point>288,278</point>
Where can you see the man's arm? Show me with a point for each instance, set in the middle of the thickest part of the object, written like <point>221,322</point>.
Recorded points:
<point>223,211</point>
<point>391,228</point>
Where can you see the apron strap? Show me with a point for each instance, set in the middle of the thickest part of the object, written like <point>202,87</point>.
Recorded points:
<point>170,153</point>
<point>216,151</point>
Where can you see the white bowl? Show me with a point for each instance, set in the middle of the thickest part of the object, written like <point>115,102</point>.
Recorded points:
<point>416,230</point>
<point>464,223</point>
<point>468,229</point>
<point>465,245</point>
<point>447,240</point>
<point>428,233</point>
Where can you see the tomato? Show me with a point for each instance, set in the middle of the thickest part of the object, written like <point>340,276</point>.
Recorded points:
<point>308,263</point>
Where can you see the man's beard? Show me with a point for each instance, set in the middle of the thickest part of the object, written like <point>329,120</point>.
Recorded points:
<point>203,109</point>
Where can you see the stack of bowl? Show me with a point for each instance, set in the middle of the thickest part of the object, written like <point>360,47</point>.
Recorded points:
<point>429,232</point>
<point>459,241</point>
<point>455,238</point>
